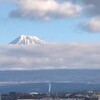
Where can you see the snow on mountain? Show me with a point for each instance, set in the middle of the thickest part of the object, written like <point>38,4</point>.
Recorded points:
<point>27,40</point>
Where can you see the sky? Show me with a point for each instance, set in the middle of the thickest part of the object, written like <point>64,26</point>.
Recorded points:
<point>71,29</point>
<point>62,21</point>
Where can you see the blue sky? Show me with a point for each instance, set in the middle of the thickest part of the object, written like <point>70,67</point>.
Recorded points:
<point>61,29</point>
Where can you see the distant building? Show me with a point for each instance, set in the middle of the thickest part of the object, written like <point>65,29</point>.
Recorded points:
<point>26,97</point>
<point>32,97</point>
<point>0,97</point>
<point>98,96</point>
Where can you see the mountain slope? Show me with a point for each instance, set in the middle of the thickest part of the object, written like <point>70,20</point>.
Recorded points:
<point>27,40</point>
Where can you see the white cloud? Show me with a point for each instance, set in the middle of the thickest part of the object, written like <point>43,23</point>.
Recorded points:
<point>44,9</point>
<point>58,9</point>
<point>92,11</point>
<point>51,56</point>
<point>93,25</point>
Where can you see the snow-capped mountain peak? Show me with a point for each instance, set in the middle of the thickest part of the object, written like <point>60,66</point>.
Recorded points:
<point>27,40</point>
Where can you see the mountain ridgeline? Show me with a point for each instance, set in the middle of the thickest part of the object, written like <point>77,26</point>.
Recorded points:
<point>56,75</point>
<point>60,80</point>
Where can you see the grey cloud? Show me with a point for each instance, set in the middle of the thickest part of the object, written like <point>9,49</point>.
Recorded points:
<point>92,7</point>
<point>51,56</point>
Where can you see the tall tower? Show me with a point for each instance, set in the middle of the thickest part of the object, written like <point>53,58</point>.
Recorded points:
<point>49,89</point>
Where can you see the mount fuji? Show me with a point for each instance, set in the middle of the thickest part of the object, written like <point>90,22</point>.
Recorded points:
<point>27,40</point>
